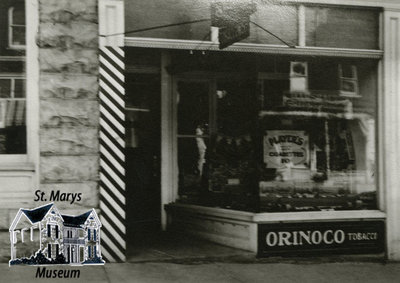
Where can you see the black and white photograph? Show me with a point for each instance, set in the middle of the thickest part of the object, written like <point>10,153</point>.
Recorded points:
<point>200,141</point>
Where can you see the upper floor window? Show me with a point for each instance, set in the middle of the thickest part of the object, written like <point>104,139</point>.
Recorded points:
<point>16,27</point>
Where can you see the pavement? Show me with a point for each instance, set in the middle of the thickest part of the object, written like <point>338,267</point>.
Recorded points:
<point>216,272</point>
<point>168,258</point>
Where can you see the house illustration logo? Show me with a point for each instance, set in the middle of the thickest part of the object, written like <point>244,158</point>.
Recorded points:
<point>45,236</point>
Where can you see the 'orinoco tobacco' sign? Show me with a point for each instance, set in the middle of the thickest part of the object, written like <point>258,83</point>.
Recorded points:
<point>310,238</point>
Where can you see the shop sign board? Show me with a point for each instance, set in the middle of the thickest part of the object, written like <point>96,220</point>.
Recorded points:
<point>286,149</point>
<point>234,33</point>
<point>317,103</point>
<point>232,17</point>
<point>321,238</point>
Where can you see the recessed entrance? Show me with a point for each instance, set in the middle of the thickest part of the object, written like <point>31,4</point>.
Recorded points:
<point>142,156</point>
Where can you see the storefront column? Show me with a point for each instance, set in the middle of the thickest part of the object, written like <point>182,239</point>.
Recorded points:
<point>168,194</point>
<point>112,130</point>
<point>390,134</point>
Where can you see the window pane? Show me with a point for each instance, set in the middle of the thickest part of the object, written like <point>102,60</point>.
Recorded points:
<point>18,35</point>
<point>5,88</point>
<point>12,126</point>
<point>319,148</point>
<point>235,106</point>
<point>342,27</point>
<point>193,103</point>
<point>282,139</point>
<point>193,167</point>
<point>280,20</point>
<point>19,90</point>
<point>18,16</point>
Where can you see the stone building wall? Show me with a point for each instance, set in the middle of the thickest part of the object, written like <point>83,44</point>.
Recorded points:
<point>69,107</point>
<point>69,110</point>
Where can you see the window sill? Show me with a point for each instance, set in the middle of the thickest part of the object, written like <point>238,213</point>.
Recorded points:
<point>16,47</point>
<point>17,166</point>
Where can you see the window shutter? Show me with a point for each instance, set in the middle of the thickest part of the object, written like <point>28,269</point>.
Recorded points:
<point>57,231</point>
<point>48,230</point>
<point>94,234</point>
<point>88,234</point>
<point>57,249</point>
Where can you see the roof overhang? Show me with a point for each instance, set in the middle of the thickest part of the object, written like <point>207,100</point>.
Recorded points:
<point>197,45</point>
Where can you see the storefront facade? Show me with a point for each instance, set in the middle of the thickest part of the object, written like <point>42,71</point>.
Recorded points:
<point>283,144</point>
<point>261,142</point>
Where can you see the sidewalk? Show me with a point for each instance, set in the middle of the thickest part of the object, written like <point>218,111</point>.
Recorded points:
<point>217,272</point>
<point>178,258</point>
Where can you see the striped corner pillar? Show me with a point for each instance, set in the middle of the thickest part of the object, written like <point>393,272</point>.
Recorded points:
<point>112,153</point>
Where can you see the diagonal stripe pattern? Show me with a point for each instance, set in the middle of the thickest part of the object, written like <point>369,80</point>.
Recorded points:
<point>112,153</point>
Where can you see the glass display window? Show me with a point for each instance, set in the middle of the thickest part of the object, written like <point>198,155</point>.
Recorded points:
<point>254,142</point>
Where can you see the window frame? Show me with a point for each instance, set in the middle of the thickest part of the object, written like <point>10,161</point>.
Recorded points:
<point>212,78</point>
<point>12,77</point>
<point>22,156</point>
<point>28,161</point>
<point>10,27</point>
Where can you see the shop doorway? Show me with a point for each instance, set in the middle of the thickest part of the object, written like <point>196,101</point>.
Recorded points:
<point>142,156</point>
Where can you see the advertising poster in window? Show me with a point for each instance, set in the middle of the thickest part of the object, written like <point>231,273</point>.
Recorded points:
<point>286,149</point>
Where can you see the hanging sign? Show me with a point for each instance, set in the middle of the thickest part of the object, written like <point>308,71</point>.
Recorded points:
<point>311,238</point>
<point>286,149</point>
<point>232,17</point>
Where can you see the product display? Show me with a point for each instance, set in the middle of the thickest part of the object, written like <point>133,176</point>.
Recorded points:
<point>300,149</point>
